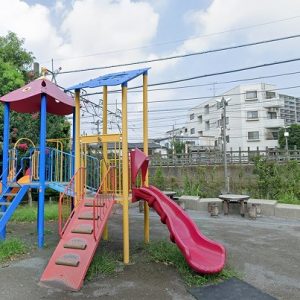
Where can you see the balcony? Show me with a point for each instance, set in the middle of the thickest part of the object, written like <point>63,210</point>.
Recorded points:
<point>273,102</point>
<point>274,123</point>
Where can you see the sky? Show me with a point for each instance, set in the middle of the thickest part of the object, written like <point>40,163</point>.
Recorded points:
<point>78,34</point>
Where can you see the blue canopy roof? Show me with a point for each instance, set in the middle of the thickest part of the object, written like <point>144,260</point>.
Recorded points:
<point>109,79</point>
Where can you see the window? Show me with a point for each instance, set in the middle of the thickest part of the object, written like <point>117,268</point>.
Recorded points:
<point>200,132</point>
<point>207,125</point>
<point>252,115</point>
<point>272,115</point>
<point>185,130</point>
<point>272,135</point>
<point>270,95</point>
<point>192,130</point>
<point>251,95</point>
<point>192,116</point>
<point>227,139</point>
<point>200,118</point>
<point>206,109</point>
<point>253,135</point>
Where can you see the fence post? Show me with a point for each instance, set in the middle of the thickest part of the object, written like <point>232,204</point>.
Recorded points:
<point>240,155</point>
<point>248,155</point>
<point>267,153</point>
<point>231,155</point>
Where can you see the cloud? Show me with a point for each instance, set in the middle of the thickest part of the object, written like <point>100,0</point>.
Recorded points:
<point>229,15</point>
<point>31,22</point>
<point>87,27</point>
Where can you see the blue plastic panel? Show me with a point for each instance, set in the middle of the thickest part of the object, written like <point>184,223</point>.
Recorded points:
<point>109,79</point>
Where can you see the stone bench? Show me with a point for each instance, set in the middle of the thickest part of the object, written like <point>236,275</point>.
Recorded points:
<point>288,211</point>
<point>195,203</point>
<point>267,206</point>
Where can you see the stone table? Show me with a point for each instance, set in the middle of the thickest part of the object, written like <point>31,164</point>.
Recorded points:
<point>232,198</point>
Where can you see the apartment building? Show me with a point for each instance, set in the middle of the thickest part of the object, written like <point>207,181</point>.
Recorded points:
<point>182,134</point>
<point>254,115</point>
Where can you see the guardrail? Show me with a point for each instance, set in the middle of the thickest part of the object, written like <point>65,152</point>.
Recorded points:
<point>105,193</point>
<point>65,203</point>
<point>217,157</point>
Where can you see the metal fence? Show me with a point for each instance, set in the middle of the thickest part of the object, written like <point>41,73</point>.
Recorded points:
<point>217,157</point>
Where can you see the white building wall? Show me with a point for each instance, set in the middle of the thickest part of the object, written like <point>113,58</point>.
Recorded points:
<point>246,117</point>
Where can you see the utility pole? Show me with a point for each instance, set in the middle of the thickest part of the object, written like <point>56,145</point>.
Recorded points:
<point>173,139</point>
<point>286,135</point>
<point>224,103</point>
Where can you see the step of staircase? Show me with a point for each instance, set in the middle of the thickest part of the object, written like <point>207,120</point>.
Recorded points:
<point>13,184</point>
<point>69,259</point>
<point>4,203</point>
<point>76,243</point>
<point>9,194</point>
<point>83,228</point>
<point>66,270</point>
<point>87,215</point>
<point>91,204</point>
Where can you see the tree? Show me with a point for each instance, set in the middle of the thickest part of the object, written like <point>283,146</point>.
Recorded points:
<point>178,147</point>
<point>293,138</point>
<point>12,51</point>
<point>15,62</point>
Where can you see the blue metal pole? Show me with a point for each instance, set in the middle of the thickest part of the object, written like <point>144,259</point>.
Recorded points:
<point>73,142</point>
<point>42,169</point>
<point>5,154</point>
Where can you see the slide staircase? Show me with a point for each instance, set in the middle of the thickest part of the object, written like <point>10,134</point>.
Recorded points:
<point>80,235</point>
<point>12,193</point>
<point>9,201</point>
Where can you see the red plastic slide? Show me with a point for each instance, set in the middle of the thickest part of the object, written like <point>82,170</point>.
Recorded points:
<point>202,254</point>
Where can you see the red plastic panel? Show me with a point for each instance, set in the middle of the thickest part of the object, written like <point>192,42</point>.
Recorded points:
<point>139,161</point>
<point>27,99</point>
<point>70,277</point>
<point>202,254</point>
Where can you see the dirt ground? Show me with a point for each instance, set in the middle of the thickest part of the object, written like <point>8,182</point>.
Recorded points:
<point>265,252</point>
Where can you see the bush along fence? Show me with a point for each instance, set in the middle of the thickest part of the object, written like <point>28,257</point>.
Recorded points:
<point>217,157</point>
<point>264,179</point>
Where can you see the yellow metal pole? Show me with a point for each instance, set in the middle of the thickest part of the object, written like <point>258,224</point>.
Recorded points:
<point>105,232</point>
<point>104,145</point>
<point>125,176</point>
<point>77,146</point>
<point>145,137</point>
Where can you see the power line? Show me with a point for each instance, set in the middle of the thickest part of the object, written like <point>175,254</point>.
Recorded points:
<point>208,97</point>
<point>177,41</point>
<point>183,55</point>
<point>189,108</point>
<point>132,89</point>
<point>227,72</point>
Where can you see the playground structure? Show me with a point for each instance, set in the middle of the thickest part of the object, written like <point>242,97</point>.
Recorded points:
<point>89,186</point>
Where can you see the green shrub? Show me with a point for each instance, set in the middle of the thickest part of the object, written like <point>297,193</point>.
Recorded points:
<point>168,254</point>
<point>158,179</point>
<point>11,248</point>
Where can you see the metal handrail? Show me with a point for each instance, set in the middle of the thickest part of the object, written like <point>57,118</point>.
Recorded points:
<point>69,187</point>
<point>102,204</point>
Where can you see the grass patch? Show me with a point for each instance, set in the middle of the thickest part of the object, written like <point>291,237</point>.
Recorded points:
<point>29,214</point>
<point>105,263</point>
<point>11,248</point>
<point>169,254</point>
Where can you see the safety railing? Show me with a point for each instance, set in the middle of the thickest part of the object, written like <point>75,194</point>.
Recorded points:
<point>66,205</point>
<point>92,165</point>
<point>105,193</point>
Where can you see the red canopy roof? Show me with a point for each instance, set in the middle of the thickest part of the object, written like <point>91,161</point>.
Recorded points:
<point>27,98</point>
